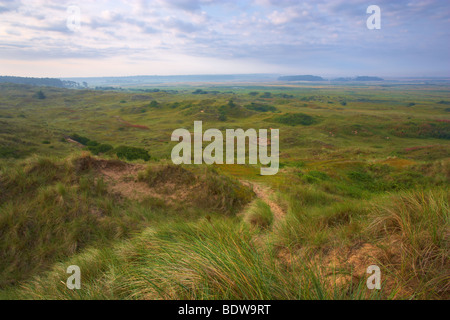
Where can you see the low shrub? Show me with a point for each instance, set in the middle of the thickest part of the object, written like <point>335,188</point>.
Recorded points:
<point>132,153</point>
<point>294,119</point>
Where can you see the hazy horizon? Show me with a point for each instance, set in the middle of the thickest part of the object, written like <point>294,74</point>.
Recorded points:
<point>257,76</point>
<point>208,37</point>
<point>326,77</point>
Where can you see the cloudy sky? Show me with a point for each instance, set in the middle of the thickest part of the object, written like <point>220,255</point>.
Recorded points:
<point>138,37</point>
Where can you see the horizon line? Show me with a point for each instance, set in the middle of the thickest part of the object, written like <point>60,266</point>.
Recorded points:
<point>326,78</point>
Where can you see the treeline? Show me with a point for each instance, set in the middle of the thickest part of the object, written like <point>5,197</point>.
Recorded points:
<point>48,82</point>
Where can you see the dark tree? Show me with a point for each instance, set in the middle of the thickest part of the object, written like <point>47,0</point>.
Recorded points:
<point>40,95</point>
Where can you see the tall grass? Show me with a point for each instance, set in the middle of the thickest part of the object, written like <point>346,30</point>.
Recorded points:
<point>208,260</point>
<point>49,212</point>
<point>202,187</point>
<point>407,231</point>
<point>259,215</point>
<point>420,222</point>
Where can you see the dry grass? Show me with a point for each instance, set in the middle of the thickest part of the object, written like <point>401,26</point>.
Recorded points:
<point>418,222</point>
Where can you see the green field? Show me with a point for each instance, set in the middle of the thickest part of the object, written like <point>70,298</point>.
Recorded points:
<point>86,179</point>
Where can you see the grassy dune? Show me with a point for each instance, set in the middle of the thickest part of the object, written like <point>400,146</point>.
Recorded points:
<point>364,180</point>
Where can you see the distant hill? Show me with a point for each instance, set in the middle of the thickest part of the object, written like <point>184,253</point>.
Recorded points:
<point>301,78</point>
<point>342,79</point>
<point>49,82</point>
<point>361,78</point>
<point>366,78</point>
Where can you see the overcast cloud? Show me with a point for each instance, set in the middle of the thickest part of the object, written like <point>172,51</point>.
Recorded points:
<point>132,37</point>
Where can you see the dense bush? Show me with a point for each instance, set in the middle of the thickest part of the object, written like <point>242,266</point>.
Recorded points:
<point>132,153</point>
<point>222,117</point>
<point>231,109</point>
<point>92,143</point>
<point>261,107</point>
<point>199,91</point>
<point>154,104</point>
<point>80,139</point>
<point>293,119</point>
<point>123,152</point>
<point>100,148</point>
<point>40,95</point>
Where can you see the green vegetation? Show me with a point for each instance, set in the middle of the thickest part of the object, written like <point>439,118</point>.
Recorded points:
<point>132,153</point>
<point>123,152</point>
<point>102,148</point>
<point>260,107</point>
<point>45,217</point>
<point>259,215</point>
<point>8,152</point>
<point>80,139</point>
<point>364,180</point>
<point>210,189</point>
<point>294,119</point>
<point>51,82</point>
<point>437,130</point>
<point>40,95</point>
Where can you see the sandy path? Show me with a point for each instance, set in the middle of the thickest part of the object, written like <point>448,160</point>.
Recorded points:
<point>263,193</point>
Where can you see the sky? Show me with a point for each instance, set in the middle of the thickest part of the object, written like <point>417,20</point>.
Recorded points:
<point>177,37</point>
